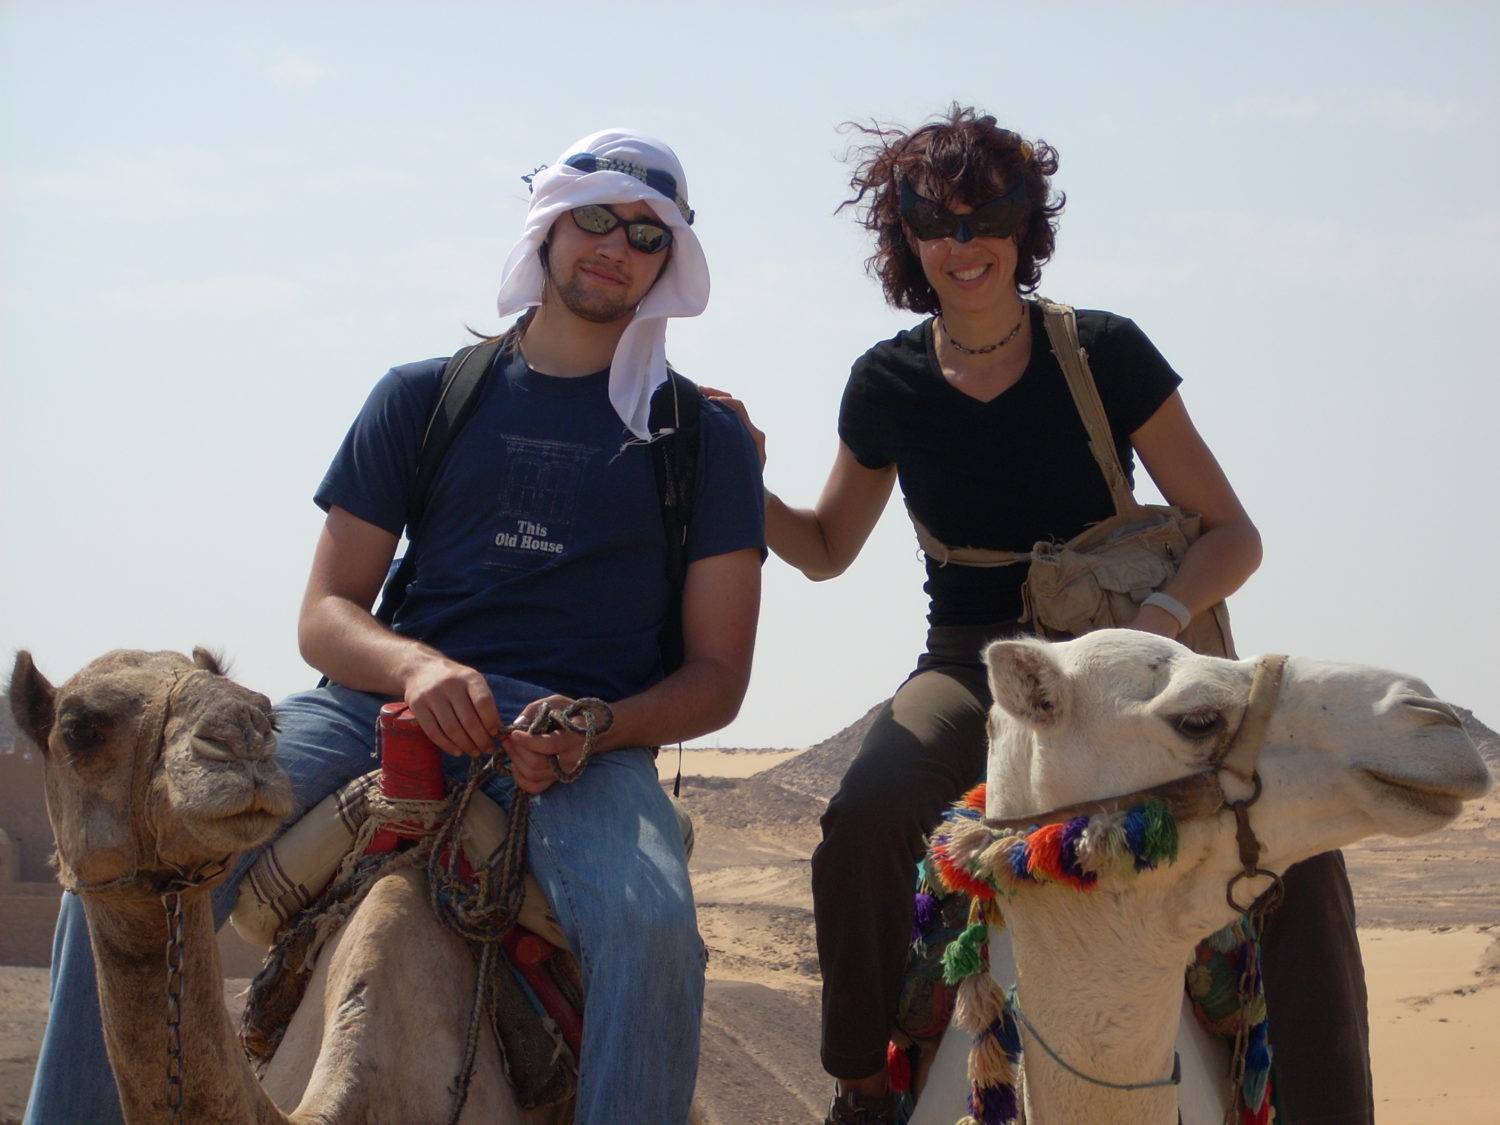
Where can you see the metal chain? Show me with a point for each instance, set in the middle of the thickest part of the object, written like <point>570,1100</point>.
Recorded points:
<point>172,902</point>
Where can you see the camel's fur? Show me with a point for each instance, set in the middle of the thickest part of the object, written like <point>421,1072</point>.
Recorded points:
<point>382,1037</point>
<point>1351,752</point>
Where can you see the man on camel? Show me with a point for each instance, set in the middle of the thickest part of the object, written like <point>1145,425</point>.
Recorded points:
<point>540,573</point>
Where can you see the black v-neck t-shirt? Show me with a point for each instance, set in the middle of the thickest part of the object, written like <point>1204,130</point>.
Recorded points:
<point>1004,474</point>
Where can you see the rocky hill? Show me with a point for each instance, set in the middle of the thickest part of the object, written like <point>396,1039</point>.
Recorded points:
<point>816,772</point>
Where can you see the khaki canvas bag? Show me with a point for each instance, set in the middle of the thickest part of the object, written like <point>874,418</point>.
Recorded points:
<point>1097,579</point>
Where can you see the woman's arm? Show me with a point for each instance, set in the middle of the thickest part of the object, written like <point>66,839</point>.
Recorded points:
<point>823,540</point>
<point>1228,552</point>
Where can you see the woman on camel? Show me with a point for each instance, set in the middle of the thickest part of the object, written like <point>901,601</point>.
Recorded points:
<point>970,411</point>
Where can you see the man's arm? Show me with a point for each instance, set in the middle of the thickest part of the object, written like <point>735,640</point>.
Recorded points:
<point>338,635</point>
<point>720,608</point>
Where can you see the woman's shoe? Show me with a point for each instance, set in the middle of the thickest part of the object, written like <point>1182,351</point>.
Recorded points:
<point>851,1108</point>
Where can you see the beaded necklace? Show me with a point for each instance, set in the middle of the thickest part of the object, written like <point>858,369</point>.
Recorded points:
<point>1007,338</point>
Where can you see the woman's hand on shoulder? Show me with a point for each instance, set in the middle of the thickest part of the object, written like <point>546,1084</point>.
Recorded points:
<point>727,400</point>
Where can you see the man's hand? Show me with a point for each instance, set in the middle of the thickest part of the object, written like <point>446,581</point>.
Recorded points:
<point>453,705</point>
<point>531,755</point>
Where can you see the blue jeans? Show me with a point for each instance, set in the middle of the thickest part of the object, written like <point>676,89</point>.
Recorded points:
<point>608,852</point>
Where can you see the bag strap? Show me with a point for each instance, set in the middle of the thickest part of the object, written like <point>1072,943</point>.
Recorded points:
<point>676,408</point>
<point>1062,332</point>
<point>942,554</point>
<point>458,396</point>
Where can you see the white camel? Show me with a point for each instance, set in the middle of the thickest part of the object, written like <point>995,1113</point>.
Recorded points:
<point>1347,752</point>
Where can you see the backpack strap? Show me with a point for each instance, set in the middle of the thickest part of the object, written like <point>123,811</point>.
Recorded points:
<point>676,407</point>
<point>1062,332</point>
<point>458,395</point>
<point>675,410</point>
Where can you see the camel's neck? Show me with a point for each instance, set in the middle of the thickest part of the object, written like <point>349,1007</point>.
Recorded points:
<point>130,951</point>
<point>1106,995</point>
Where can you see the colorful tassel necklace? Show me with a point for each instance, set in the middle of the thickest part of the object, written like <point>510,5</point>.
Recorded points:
<point>970,858</point>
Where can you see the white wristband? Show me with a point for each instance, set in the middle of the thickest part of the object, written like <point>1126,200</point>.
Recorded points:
<point>1171,605</point>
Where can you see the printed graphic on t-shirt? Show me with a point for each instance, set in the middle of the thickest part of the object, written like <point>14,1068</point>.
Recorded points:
<point>538,500</point>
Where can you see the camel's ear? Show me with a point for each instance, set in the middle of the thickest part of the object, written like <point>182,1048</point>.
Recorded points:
<point>31,700</point>
<point>1027,682</point>
<point>209,661</point>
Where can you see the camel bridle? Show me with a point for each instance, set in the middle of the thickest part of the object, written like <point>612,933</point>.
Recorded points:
<point>153,874</point>
<point>1199,795</point>
<point>1196,796</point>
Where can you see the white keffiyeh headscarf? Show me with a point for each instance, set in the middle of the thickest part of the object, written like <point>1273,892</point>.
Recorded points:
<point>639,365</point>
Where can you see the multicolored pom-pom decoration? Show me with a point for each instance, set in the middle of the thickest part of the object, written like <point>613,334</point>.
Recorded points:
<point>966,856</point>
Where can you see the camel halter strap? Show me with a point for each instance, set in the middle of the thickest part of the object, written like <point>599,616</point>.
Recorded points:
<point>1198,795</point>
<point>161,878</point>
<point>150,872</point>
<point>1201,794</point>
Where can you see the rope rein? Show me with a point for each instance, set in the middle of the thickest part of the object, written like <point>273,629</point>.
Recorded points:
<point>479,914</point>
<point>1015,1008</point>
<point>483,913</point>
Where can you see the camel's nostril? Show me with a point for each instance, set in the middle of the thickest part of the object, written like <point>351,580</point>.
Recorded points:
<point>212,750</point>
<point>1433,710</point>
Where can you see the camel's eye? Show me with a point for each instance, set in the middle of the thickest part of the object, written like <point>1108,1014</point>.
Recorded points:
<point>1199,724</point>
<point>82,729</point>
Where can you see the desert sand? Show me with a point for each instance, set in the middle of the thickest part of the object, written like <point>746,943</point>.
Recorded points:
<point>1430,931</point>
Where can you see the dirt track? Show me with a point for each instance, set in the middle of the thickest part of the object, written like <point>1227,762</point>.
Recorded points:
<point>1437,898</point>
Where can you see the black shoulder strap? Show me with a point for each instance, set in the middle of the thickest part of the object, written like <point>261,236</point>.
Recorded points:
<point>458,395</point>
<point>457,398</point>
<point>675,411</point>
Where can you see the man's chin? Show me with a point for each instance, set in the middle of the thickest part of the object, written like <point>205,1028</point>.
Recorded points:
<point>596,310</point>
<point>599,315</point>
<point>593,301</point>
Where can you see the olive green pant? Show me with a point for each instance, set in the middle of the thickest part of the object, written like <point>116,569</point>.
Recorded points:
<point>926,748</point>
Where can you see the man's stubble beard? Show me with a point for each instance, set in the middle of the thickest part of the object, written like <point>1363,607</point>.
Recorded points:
<point>593,307</point>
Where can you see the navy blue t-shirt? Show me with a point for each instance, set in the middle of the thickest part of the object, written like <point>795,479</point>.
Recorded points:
<point>543,557</point>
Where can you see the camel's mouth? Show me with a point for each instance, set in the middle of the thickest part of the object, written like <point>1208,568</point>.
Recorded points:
<point>1432,798</point>
<point>238,820</point>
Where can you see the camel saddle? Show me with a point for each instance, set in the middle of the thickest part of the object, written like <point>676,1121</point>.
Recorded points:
<point>535,1010</point>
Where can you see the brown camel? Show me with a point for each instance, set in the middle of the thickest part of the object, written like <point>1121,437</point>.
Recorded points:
<point>159,770</point>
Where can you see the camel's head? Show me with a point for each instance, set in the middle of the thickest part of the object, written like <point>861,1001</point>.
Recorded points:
<point>152,760</point>
<point>1350,751</point>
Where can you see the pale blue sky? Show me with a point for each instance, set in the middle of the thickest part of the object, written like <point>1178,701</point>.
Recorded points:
<point>219,224</point>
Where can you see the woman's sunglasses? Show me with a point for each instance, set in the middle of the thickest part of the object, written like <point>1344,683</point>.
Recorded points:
<point>1000,217</point>
<point>641,234</point>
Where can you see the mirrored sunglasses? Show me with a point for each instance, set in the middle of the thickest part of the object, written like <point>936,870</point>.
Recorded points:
<point>1000,217</point>
<point>642,234</point>
<point>663,183</point>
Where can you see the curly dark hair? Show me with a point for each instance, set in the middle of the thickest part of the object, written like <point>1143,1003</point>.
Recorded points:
<point>957,156</point>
